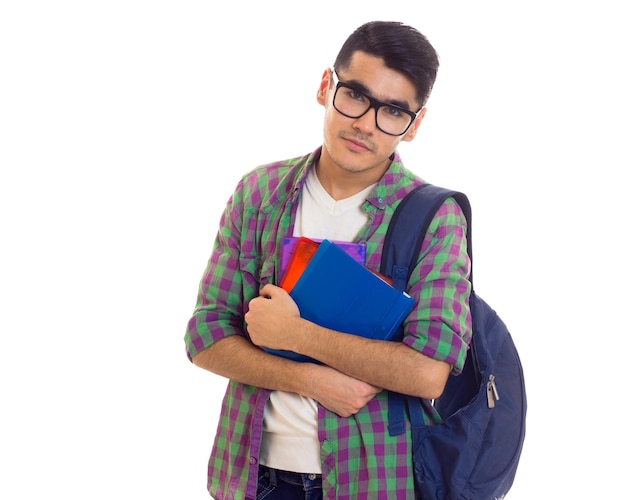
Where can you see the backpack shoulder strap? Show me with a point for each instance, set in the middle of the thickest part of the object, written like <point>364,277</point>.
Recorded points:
<point>401,249</point>
<point>408,226</point>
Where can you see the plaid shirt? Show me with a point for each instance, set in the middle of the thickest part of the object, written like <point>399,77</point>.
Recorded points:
<point>359,458</point>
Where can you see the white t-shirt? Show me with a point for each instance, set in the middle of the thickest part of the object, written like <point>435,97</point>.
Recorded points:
<point>290,439</point>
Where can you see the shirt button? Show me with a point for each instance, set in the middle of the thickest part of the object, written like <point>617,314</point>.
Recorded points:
<point>252,460</point>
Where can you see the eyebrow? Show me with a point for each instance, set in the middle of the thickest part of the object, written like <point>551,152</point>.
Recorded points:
<point>358,86</point>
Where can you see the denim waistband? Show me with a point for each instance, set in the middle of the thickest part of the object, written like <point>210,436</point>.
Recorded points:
<point>302,478</point>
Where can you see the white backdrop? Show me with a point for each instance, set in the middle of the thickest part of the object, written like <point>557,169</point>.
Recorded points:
<point>124,126</point>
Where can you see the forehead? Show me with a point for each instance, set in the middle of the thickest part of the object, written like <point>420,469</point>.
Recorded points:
<point>371,75</point>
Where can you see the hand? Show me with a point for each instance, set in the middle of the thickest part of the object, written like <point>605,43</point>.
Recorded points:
<point>269,318</point>
<point>340,393</point>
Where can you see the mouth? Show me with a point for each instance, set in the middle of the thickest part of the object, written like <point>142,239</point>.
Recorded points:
<point>356,144</point>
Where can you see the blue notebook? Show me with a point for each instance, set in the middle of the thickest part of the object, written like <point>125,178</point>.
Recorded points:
<point>337,292</point>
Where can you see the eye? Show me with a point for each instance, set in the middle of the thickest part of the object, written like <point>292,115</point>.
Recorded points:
<point>357,96</point>
<point>392,112</point>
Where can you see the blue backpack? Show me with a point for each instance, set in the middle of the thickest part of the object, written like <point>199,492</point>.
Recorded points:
<point>474,453</point>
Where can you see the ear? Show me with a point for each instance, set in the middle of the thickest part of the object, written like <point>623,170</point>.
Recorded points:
<point>322,91</point>
<point>412,132</point>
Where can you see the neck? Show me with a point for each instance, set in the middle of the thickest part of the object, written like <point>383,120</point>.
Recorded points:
<point>341,183</point>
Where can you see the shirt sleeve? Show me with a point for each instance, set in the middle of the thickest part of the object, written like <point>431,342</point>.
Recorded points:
<point>219,307</point>
<point>441,326</point>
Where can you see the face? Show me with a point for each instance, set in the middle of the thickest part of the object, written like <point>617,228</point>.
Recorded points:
<point>357,144</point>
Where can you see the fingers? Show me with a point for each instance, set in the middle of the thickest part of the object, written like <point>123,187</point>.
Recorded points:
<point>270,290</point>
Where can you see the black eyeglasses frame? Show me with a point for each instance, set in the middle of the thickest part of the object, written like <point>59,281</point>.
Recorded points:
<point>374,103</point>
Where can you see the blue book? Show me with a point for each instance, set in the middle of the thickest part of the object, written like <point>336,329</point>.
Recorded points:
<point>337,292</point>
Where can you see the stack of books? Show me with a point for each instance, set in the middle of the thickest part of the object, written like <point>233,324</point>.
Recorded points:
<point>334,289</point>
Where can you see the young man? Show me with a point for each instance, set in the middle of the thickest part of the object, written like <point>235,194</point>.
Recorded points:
<point>287,428</point>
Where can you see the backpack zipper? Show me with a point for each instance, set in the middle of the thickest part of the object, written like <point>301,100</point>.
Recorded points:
<point>492,392</point>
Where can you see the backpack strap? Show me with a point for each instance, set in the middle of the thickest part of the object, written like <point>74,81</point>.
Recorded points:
<point>408,226</point>
<point>401,249</point>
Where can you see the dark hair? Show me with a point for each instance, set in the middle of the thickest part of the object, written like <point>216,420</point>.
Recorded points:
<point>401,47</point>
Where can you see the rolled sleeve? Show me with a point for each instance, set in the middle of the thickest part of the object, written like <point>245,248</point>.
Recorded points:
<point>441,325</point>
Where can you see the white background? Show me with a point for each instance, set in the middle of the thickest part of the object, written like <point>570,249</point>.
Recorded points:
<point>124,126</point>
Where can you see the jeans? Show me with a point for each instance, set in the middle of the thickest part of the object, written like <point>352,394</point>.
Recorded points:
<point>276,484</point>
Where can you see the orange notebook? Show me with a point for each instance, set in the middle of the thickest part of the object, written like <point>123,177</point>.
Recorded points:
<point>302,254</point>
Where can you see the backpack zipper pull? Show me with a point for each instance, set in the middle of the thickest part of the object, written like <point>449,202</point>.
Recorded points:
<point>492,392</point>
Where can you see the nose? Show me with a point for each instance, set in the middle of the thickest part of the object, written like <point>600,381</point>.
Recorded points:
<point>367,122</point>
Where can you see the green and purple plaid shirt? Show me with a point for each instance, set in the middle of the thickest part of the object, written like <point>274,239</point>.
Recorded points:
<point>359,458</point>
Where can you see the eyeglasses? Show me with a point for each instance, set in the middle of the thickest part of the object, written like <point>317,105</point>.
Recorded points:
<point>390,119</point>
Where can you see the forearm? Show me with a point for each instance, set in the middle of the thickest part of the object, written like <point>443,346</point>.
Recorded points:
<point>236,358</point>
<point>390,365</point>
<point>274,321</point>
